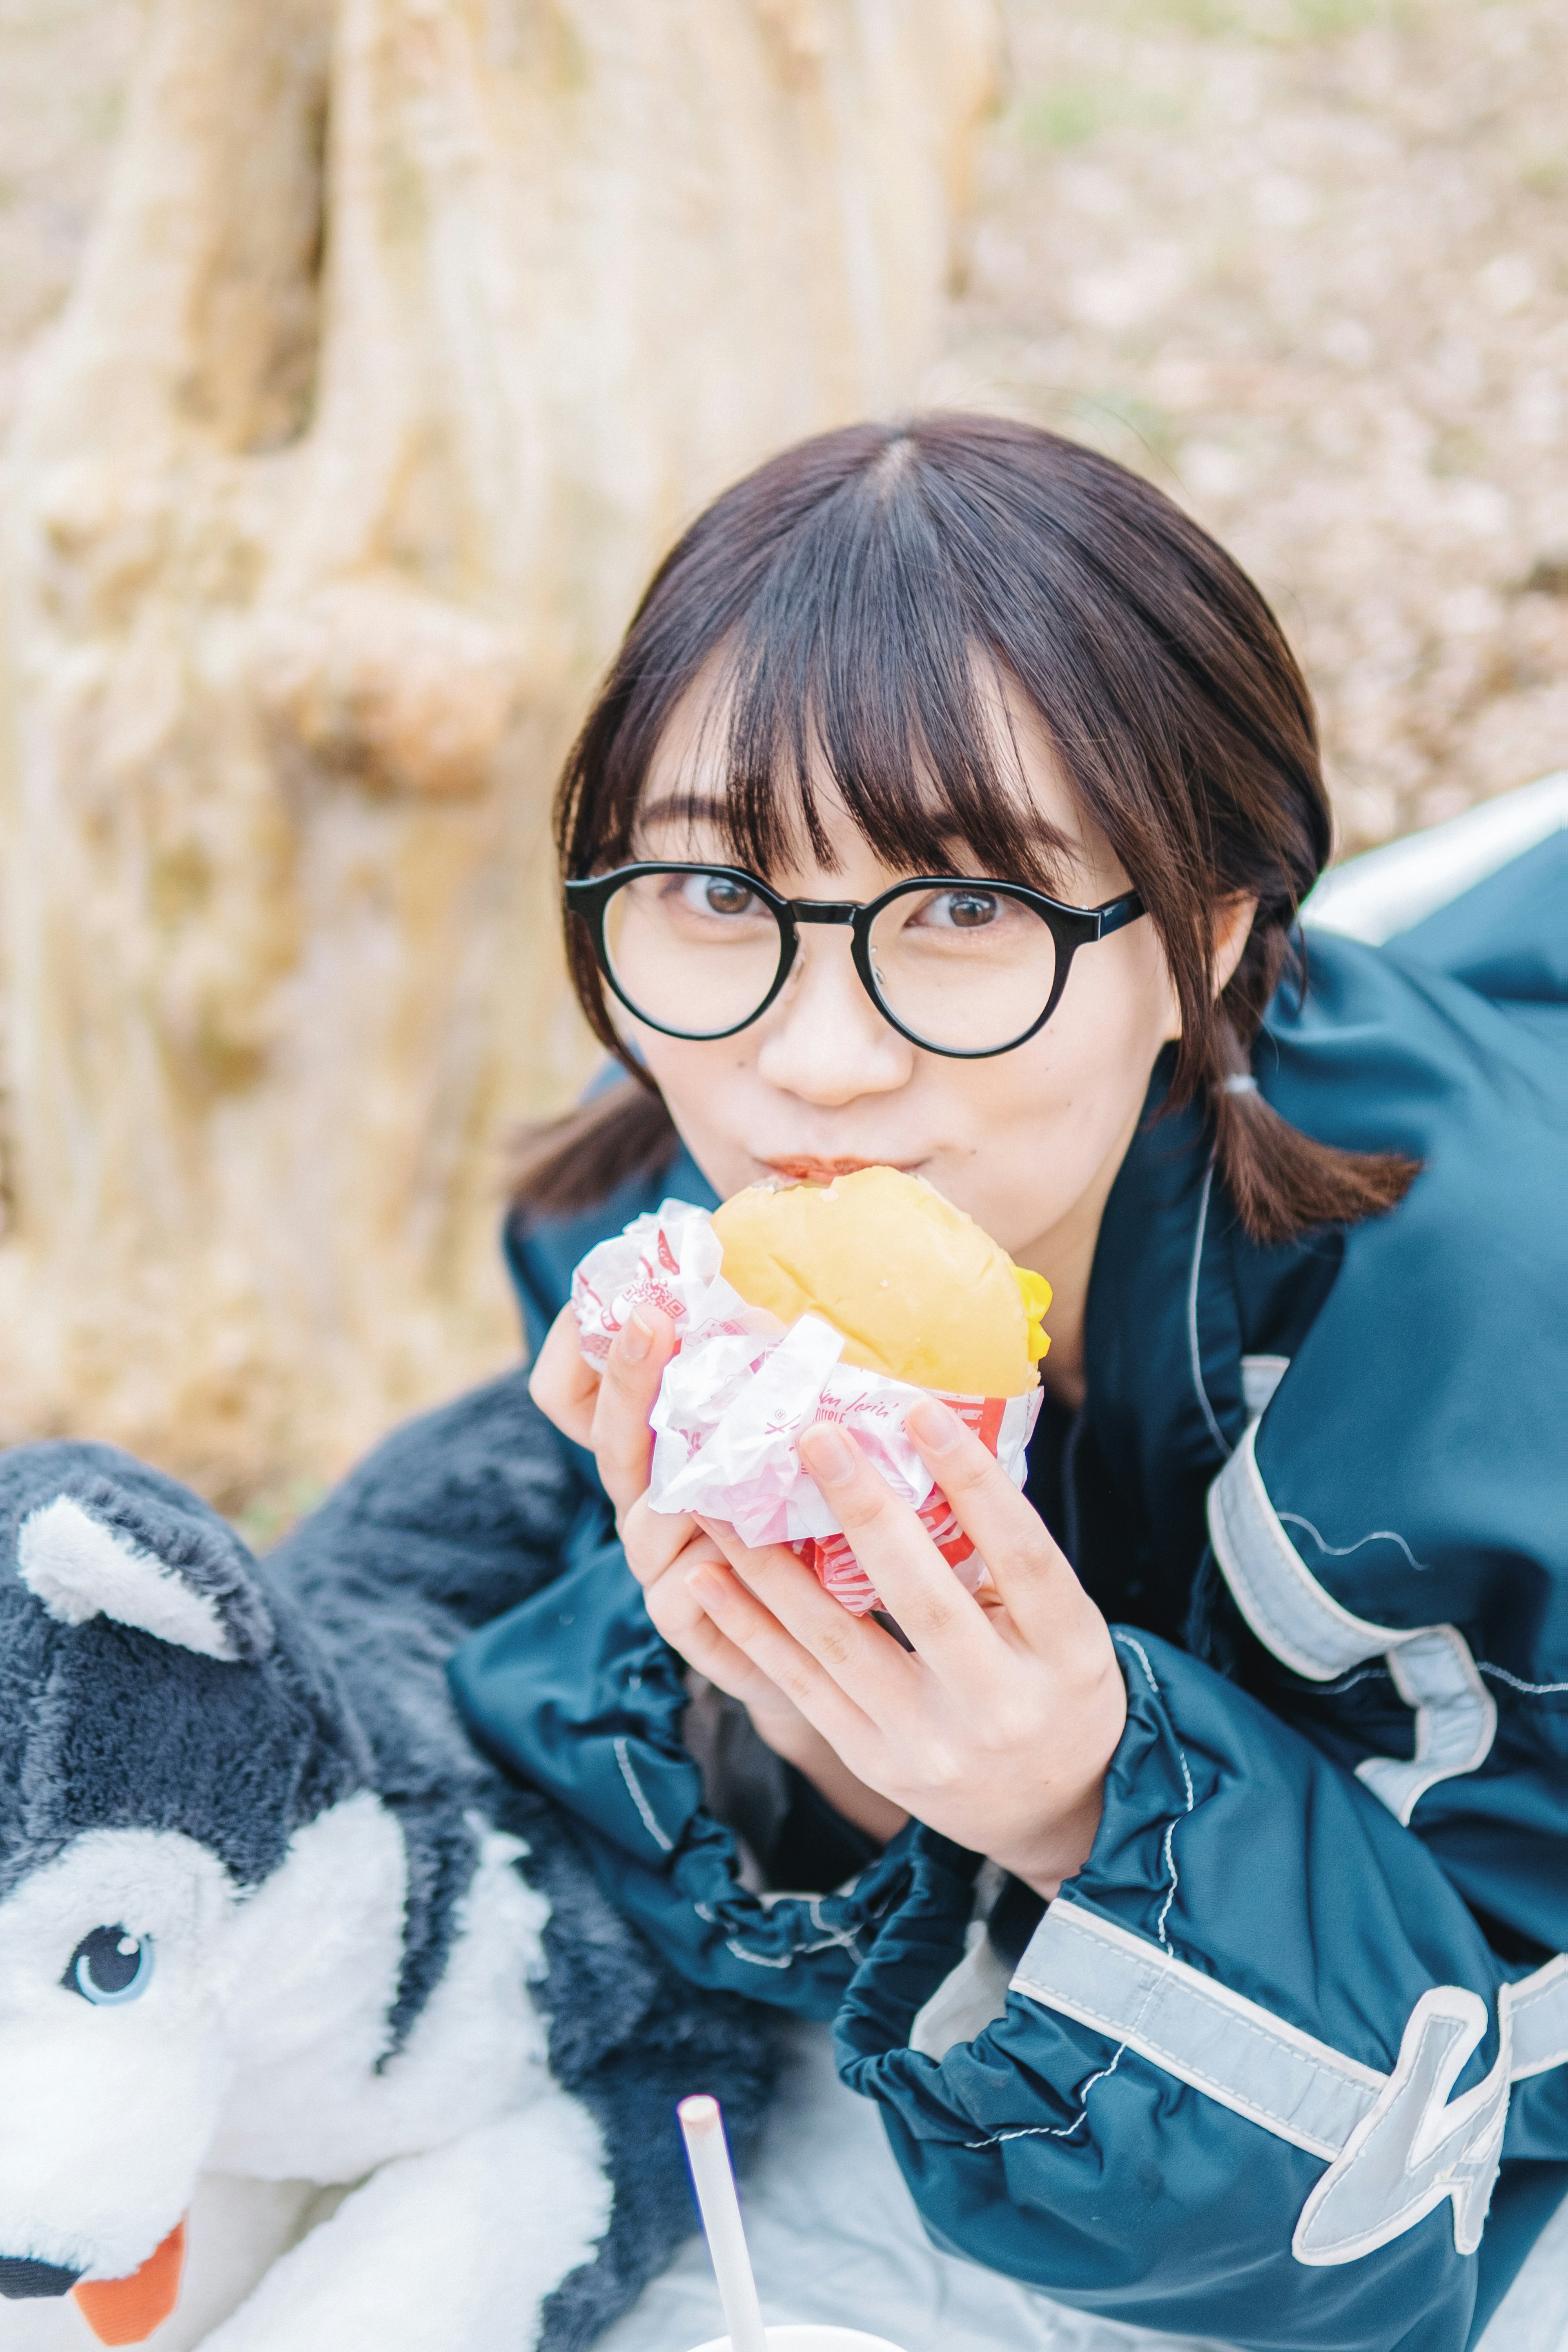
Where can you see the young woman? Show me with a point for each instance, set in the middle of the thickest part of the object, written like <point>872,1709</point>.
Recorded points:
<point>950,805</point>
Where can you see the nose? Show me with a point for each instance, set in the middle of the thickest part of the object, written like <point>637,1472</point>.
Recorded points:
<point>824,1039</point>
<point>23,2280</point>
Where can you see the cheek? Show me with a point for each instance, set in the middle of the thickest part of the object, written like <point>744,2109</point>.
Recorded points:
<point>1044,1120</point>
<point>1118,1010</point>
<point>711,1089</point>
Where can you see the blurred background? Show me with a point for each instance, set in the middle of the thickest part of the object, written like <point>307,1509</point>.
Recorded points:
<point>355,362</point>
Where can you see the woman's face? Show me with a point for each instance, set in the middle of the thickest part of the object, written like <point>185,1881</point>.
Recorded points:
<point>1025,1143</point>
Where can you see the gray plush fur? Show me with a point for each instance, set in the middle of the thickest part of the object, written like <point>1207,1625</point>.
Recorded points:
<point>342,1638</point>
<point>103,1726</point>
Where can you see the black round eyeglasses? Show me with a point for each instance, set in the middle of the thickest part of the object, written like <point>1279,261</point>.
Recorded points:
<point>956,964</point>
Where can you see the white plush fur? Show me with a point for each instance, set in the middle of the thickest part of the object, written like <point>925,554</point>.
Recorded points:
<point>253,2055</point>
<point>440,2252</point>
<point>314,1971</point>
<point>80,1569</point>
<point>107,2113</point>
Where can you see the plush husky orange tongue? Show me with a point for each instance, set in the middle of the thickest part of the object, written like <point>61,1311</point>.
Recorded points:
<point>127,2310</point>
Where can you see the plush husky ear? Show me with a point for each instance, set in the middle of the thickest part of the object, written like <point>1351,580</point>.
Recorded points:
<point>104,1553</point>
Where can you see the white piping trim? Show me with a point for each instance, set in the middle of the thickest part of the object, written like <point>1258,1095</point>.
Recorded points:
<point>1216,1432</point>
<point>759,1959</point>
<point>1275,1591</point>
<point>1309,1631</point>
<point>1531,1690</point>
<point>1126,1642</point>
<point>1344,1551</point>
<point>1052,2131</point>
<point>665,1846</point>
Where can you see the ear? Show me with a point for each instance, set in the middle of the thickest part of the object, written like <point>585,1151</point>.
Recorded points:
<point>164,1571</point>
<point>1232,921</point>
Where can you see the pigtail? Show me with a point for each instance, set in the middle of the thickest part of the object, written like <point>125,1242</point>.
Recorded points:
<point>563,1166</point>
<point>1282,1182</point>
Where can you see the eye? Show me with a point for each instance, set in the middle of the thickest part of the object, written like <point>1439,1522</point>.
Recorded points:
<point>960,910</point>
<point>109,1966</point>
<point>717,894</point>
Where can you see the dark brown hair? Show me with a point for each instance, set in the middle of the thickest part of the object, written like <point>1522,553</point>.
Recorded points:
<point>850,594</point>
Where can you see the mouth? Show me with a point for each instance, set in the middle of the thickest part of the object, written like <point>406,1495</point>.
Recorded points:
<point>127,2310</point>
<point>804,1170</point>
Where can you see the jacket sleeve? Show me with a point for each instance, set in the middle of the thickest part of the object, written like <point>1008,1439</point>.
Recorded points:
<point>1253,2076</point>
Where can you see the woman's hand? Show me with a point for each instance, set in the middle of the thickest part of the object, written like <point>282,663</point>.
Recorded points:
<point>998,1728</point>
<point>607,1413</point>
<point>610,1415</point>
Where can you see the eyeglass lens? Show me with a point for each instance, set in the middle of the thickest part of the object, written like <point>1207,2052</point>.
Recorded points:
<point>964,967</point>
<point>968,969</point>
<point>695,952</point>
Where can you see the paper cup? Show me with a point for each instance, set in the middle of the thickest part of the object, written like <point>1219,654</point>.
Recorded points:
<point>808,2337</point>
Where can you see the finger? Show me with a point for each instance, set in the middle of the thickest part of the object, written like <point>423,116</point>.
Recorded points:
<point>869,1667</point>
<point>950,1633</point>
<point>756,1632</point>
<point>623,1442</point>
<point>563,1384</point>
<point>679,1616</point>
<point>1031,1574</point>
<point>653,1539</point>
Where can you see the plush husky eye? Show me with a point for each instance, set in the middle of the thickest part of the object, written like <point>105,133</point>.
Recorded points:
<point>111,1965</point>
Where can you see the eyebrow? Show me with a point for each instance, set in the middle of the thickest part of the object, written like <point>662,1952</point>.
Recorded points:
<point>684,808</point>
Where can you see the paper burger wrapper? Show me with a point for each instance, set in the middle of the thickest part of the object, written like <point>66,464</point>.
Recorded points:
<point>736,1396</point>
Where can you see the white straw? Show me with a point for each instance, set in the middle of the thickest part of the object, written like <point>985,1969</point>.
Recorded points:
<point>708,2154</point>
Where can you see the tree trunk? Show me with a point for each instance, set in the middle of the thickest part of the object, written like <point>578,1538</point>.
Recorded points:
<point>412,332</point>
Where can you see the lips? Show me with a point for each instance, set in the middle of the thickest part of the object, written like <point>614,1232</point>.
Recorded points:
<point>127,2310</point>
<point>807,1170</point>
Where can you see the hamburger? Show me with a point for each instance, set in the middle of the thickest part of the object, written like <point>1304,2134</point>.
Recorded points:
<point>918,1290</point>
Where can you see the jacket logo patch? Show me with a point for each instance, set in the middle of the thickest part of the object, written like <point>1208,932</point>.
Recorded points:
<point>1417,2145</point>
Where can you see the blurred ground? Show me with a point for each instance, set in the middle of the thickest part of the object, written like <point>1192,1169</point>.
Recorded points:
<point>1304,261</point>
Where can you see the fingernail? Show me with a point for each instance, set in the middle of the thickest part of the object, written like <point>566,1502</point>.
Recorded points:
<point>637,1337</point>
<point>932,1425</point>
<point>829,1457</point>
<point>705,1585</point>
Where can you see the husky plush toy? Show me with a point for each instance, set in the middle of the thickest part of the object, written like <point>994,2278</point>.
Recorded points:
<point>267,1918</point>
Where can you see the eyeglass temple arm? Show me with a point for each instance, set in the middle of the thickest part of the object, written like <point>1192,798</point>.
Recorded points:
<point>1118,914</point>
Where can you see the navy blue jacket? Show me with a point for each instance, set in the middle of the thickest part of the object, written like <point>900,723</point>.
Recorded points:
<point>1258,2070</point>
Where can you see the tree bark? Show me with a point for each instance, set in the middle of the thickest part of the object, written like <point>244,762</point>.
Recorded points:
<point>411,333</point>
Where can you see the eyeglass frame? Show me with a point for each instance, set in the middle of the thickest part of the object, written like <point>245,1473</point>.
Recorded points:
<point>1071,928</point>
